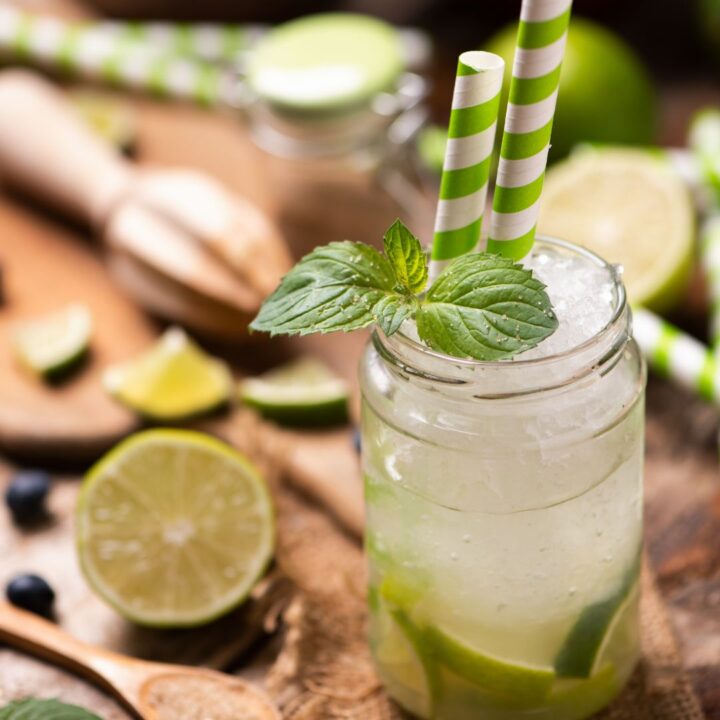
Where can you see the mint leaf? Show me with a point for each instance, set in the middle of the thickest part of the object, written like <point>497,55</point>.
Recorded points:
<point>407,257</point>
<point>485,307</point>
<point>32,709</point>
<point>393,310</point>
<point>335,287</point>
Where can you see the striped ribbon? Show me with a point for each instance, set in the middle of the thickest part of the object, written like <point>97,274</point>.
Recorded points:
<point>528,124</point>
<point>471,137</point>
<point>673,354</point>
<point>81,49</point>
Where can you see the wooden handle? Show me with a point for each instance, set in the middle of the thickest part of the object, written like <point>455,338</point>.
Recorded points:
<point>47,150</point>
<point>119,675</point>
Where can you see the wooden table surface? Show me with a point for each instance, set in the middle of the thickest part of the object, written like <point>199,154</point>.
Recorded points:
<point>682,477</point>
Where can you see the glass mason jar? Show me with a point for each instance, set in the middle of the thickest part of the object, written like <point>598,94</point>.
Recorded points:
<point>347,176</point>
<point>504,523</point>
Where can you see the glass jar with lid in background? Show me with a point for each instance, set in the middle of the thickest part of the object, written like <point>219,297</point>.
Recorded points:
<point>504,510</point>
<point>334,113</point>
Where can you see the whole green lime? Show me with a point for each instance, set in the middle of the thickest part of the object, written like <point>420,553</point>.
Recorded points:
<point>606,94</point>
<point>708,12</point>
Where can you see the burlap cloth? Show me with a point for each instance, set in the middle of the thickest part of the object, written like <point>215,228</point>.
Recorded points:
<point>324,670</point>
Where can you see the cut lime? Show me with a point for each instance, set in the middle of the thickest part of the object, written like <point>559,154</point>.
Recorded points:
<point>516,683</point>
<point>172,380</point>
<point>52,345</point>
<point>303,393</point>
<point>174,528</point>
<point>604,630</point>
<point>572,699</point>
<point>111,118</point>
<point>630,208</point>
<point>406,669</point>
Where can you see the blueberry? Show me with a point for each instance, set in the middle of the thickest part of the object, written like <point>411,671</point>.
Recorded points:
<point>357,441</point>
<point>32,593</point>
<point>26,495</point>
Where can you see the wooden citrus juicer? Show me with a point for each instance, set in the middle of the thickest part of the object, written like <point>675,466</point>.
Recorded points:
<point>151,691</point>
<point>182,245</point>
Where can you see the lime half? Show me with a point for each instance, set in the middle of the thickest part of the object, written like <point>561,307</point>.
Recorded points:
<point>303,393</point>
<point>630,208</point>
<point>173,380</point>
<point>52,345</point>
<point>519,684</point>
<point>174,528</point>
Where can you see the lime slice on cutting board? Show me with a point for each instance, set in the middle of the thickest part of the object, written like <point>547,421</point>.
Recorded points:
<point>603,629</point>
<point>174,528</point>
<point>630,208</point>
<point>303,393</point>
<point>172,380</point>
<point>52,345</point>
<point>516,683</point>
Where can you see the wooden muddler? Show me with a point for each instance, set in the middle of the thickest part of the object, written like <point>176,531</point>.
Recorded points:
<point>181,243</point>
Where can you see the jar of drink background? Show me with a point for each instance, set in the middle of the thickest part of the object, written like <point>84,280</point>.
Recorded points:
<point>343,167</point>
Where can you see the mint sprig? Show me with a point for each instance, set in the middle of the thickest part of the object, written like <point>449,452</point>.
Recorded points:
<point>482,306</point>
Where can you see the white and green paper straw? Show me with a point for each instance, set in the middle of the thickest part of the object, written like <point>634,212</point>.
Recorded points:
<point>80,49</point>
<point>710,255</point>
<point>673,354</point>
<point>214,42</point>
<point>471,136</point>
<point>528,124</point>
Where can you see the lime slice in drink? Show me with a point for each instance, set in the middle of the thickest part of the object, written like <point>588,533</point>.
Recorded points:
<point>572,699</point>
<point>406,668</point>
<point>630,208</point>
<point>303,393</point>
<point>514,683</point>
<point>174,528</point>
<point>172,380</point>
<point>52,345</point>
<point>604,630</point>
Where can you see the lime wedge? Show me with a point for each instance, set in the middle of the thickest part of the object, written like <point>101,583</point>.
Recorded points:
<point>172,380</point>
<point>303,393</point>
<point>405,667</point>
<point>174,528</point>
<point>519,684</point>
<point>604,628</point>
<point>572,699</point>
<point>53,345</point>
<point>630,208</point>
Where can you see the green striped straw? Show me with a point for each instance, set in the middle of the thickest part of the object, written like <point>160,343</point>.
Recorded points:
<point>471,137</point>
<point>214,42</point>
<point>710,258</point>
<point>528,124</point>
<point>80,49</point>
<point>673,354</point>
<point>704,141</point>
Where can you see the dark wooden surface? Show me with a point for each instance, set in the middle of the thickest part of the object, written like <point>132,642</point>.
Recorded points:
<point>682,478</point>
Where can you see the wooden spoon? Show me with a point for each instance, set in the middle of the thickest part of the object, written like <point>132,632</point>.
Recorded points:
<point>151,691</point>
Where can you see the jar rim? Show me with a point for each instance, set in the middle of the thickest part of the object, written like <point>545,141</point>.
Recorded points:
<point>591,354</point>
